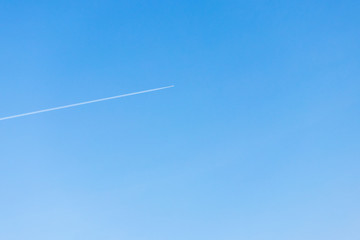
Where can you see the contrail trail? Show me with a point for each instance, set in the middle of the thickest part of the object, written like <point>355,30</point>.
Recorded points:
<point>83,103</point>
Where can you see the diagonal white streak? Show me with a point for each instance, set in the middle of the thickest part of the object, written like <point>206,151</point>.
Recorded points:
<point>83,103</point>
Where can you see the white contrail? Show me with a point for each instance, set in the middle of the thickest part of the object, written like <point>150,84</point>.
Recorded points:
<point>83,103</point>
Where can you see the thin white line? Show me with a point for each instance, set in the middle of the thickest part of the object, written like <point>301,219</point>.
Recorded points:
<point>83,103</point>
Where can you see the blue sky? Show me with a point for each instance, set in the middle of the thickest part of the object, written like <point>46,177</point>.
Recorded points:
<point>258,140</point>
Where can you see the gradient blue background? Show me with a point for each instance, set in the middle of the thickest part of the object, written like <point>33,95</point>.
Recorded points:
<point>260,138</point>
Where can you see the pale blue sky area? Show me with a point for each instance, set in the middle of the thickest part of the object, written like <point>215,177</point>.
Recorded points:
<point>260,138</point>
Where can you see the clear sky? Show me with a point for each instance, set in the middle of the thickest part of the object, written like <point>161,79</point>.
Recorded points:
<point>260,138</point>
